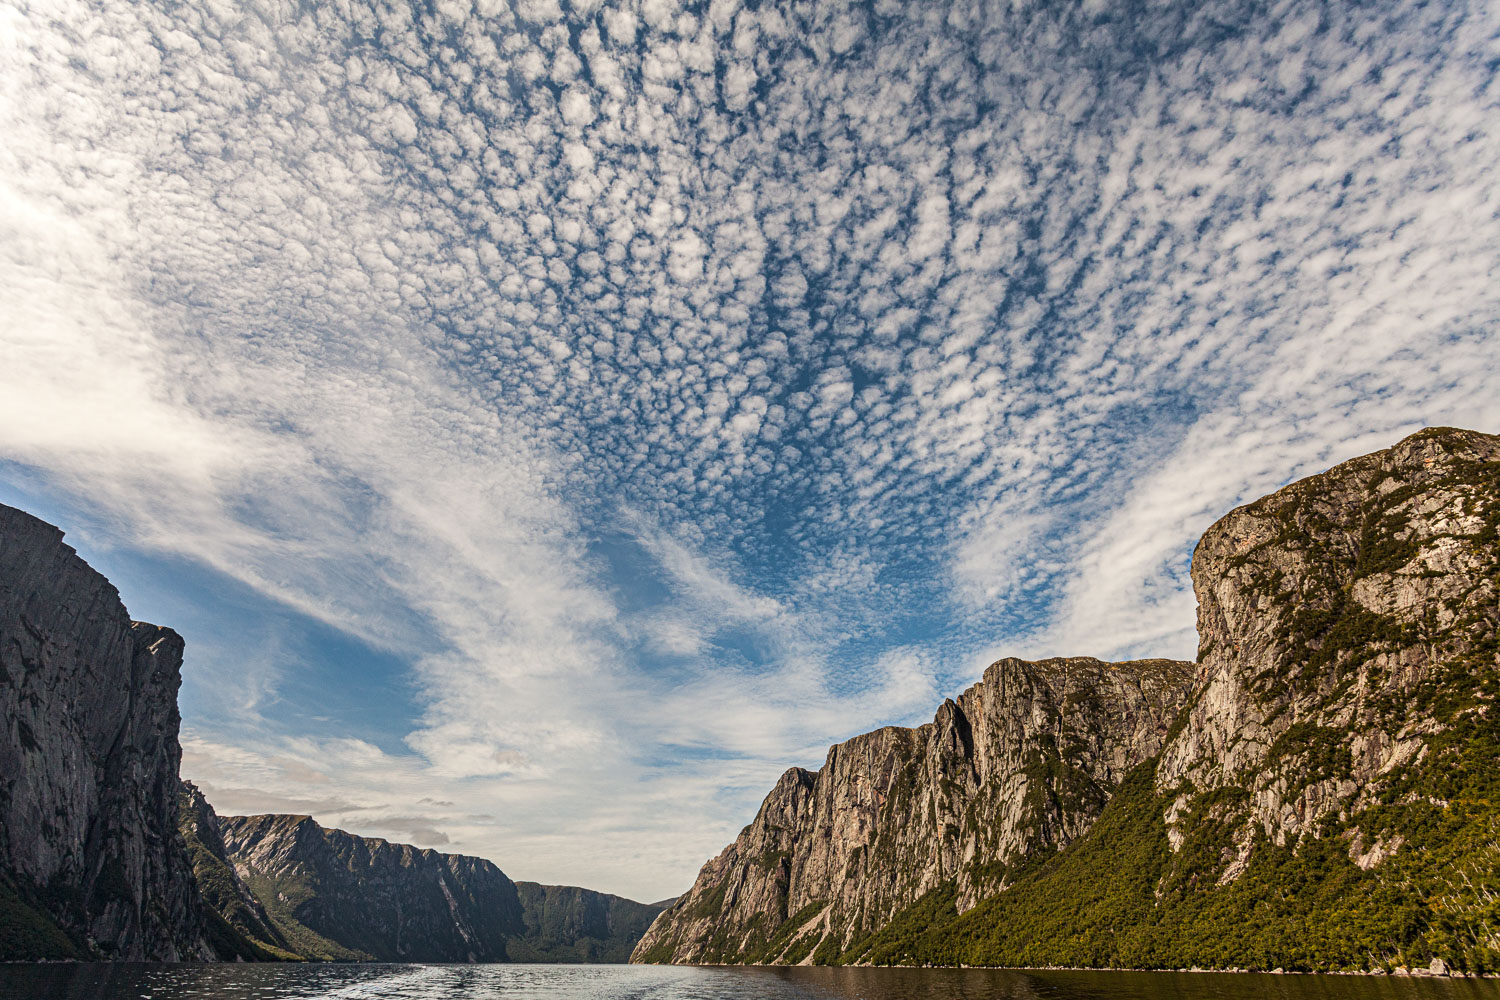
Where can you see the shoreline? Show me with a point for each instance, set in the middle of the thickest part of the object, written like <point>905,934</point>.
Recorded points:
<point>1400,972</point>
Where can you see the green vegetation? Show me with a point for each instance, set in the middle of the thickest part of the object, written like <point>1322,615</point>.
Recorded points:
<point>1230,896</point>
<point>27,933</point>
<point>568,924</point>
<point>1119,897</point>
<point>235,930</point>
<point>281,897</point>
<point>1352,822</point>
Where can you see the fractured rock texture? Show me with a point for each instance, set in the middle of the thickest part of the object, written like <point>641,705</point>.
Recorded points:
<point>88,762</point>
<point>1319,791</point>
<point>1020,762</point>
<point>1342,622</point>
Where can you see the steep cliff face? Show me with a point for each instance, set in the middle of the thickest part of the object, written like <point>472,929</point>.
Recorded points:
<point>1022,762</point>
<point>1343,622</point>
<point>239,925</point>
<point>1330,797</point>
<point>104,853</point>
<point>325,894</point>
<point>91,863</point>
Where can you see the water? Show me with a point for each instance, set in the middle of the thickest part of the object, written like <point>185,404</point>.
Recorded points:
<point>622,982</point>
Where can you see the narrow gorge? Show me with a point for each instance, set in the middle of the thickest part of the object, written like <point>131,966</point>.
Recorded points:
<point>1319,790</point>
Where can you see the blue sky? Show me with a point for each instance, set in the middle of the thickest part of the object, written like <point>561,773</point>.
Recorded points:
<point>548,421</point>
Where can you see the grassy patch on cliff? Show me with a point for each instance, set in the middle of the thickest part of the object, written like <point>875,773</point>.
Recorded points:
<point>281,897</point>
<point>234,929</point>
<point>27,933</point>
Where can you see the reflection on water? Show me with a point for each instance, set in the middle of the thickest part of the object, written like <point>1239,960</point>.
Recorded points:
<point>620,982</point>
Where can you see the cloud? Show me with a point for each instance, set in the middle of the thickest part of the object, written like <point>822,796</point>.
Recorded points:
<point>885,340</point>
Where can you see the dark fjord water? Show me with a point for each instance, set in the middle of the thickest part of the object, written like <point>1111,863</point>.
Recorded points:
<point>620,982</point>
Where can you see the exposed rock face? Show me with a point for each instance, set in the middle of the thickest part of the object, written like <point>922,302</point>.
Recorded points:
<point>1329,798</point>
<point>566,923</point>
<point>333,895</point>
<point>89,845</point>
<point>1342,622</point>
<point>104,853</point>
<point>1021,762</point>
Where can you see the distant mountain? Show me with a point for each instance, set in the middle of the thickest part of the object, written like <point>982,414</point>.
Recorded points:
<point>105,854</point>
<point>566,924</point>
<point>1327,798</point>
<point>294,887</point>
<point>253,934</point>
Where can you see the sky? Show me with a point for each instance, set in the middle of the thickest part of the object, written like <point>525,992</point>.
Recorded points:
<point>547,421</point>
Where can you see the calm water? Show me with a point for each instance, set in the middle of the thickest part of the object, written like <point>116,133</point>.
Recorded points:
<point>620,982</point>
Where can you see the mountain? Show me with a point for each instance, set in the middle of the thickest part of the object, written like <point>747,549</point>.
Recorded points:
<point>91,863</point>
<point>334,895</point>
<point>1328,798</point>
<point>564,923</point>
<point>252,935</point>
<point>106,854</point>
<point>1022,762</point>
<point>297,889</point>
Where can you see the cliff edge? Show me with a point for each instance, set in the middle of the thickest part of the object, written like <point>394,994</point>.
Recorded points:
<point>1021,762</point>
<point>91,863</point>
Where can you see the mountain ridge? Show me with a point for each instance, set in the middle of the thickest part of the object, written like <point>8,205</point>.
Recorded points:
<point>1318,791</point>
<point>1328,797</point>
<point>959,798</point>
<point>331,895</point>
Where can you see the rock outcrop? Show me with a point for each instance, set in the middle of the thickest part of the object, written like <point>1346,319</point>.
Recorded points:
<point>1020,763</point>
<point>317,893</point>
<point>91,863</point>
<point>1328,798</point>
<point>1343,621</point>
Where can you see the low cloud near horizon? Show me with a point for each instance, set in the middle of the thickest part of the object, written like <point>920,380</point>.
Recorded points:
<point>555,419</point>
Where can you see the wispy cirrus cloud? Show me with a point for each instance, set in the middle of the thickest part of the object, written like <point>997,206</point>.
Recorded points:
<point>677,387</point>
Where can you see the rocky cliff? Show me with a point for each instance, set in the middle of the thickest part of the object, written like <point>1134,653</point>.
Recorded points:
<point>91,864</point>
<point>295,887</point>
<point>105,853</point>
<point>1020,763</point>
<point>1344,622</point>
<point>333,895</point>
<point>1329,798</point>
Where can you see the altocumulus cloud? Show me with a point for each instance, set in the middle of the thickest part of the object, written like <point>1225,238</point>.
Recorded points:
<point>674,388</point>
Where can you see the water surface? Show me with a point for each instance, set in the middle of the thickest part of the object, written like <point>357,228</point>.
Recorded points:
<point>625,982</point>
